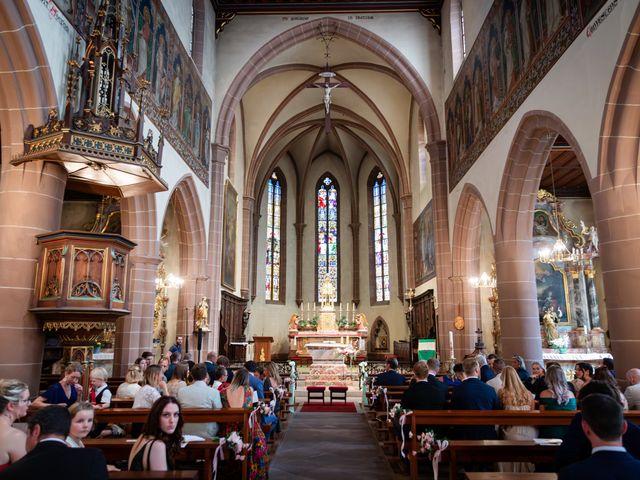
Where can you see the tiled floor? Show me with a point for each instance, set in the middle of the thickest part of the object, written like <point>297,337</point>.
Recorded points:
<point>329,446</point>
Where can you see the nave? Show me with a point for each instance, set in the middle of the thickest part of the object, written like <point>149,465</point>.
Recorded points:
<point>329,445</point>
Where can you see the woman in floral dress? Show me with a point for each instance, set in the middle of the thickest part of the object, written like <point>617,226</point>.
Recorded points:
<point>239,395</point>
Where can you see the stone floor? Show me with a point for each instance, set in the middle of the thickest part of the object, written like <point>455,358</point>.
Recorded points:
<point>329,446</point>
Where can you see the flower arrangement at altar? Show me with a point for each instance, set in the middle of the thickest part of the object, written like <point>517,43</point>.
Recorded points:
<point>310,324</point>
<point>343,323</point>
<point>430,445</point>
<point>561,344</point>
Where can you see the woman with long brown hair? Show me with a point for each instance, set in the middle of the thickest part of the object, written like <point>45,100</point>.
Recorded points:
<point>160,439</point>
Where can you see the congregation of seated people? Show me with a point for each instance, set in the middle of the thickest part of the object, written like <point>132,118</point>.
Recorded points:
<point>63,416</point>
<point>493,383</point>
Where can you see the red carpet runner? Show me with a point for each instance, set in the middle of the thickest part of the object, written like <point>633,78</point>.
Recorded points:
<point>341,407</point>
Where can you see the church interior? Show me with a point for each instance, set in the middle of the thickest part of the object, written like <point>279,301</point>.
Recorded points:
<point>322,184</point>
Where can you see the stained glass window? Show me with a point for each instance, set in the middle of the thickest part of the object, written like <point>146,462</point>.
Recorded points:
<point>274,243</point>
<point>327,228</point>
<point>381,239</point>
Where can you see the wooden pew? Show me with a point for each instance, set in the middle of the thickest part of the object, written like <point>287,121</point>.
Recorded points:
<point>120,402</point>
<point>509,476</point>
<point>116,449</point>
<point>189,415</point>
<point>489,417</point>
<point>176,474</point>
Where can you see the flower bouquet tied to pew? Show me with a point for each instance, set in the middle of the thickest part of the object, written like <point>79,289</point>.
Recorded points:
<point>433,447</point>
<point>233,441</point>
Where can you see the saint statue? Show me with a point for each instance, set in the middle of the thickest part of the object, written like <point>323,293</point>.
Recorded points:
<point>293,322</point>
<point>361,321</point>
<point>549,321</point>
<point>202,315</point>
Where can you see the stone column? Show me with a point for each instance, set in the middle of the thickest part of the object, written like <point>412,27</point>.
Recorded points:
<point>31,198</point>
<point>214,254</point>
<point>248,203</point>
<point>519,316</point>
<point>355,231</point>
<point>440,192</point>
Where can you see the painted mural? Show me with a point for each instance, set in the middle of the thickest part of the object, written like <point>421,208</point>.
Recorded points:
<point>176,99</point>
<point>424,246</point>
<point>229,226</point>
<point>519,42</point>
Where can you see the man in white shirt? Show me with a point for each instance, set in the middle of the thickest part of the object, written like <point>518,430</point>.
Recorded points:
<point>496,382</point>
<point>632,393</point>
<point>200,395</point>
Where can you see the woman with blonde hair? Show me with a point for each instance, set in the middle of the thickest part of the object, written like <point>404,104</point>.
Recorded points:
<point>14,402</point>
<point>154,388</point>
<point>515,396</point>
<point>557,396</point>
<point>131,384</point>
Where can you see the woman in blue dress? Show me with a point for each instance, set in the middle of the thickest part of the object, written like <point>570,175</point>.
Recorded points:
<point>65,392</point>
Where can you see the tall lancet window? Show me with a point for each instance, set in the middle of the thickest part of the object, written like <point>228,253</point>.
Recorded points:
<point>380,238</point>
<point>274,283</point>
<point>327,231</point>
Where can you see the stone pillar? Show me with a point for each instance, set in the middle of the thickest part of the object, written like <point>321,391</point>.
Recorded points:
<point>248,204</point>
<point>618,222</point>
<point>134,333</point>
<point>519,316</point>
<point>355,231</point>
<point>31,198</point>
<point>214,256</point>
<point>440,192</point>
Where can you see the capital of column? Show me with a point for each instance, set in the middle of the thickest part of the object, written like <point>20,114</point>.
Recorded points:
<point>355,227</point>
<point>406,200</point>
<point>220,153</point>
<point>299,228</point>
<point>145,260</point>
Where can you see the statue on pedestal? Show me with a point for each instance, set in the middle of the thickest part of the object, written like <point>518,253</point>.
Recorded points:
<point>361,320</point>
<point>293,322</point>
<point>549,321</point>
<point>202,315</point>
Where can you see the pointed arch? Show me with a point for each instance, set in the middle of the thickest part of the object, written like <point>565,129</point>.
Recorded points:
<point>379,264</point>
<point>528,154</point>
<point>276,240</point>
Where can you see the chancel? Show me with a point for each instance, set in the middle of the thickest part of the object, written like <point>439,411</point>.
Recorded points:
<point>314,196</point>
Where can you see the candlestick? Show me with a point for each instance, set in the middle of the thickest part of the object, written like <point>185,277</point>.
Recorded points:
<point>451,344</point>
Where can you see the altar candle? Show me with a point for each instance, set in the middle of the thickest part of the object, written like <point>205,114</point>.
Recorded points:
<point>451,344</point>
<point>585,330</point>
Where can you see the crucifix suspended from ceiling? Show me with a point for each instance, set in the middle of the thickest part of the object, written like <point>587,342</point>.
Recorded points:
<point>326,37</point>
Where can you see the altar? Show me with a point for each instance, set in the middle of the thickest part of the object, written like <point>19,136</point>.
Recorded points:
<point>325,335</point>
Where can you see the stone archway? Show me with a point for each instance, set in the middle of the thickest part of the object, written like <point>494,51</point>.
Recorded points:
<point>527,157</point>
<point>192,253</point>
<point>30,195</point>
<point>466,258</point>
<point>617,202</point>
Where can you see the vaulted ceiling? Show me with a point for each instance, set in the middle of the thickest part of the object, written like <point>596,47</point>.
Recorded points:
<point>284,114</point>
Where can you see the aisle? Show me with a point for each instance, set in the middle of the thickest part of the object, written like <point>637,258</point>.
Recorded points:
<point>329,446</point>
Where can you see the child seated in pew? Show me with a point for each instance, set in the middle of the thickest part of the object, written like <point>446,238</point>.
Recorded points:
<point>82,416</point>
<point>160,439</point>
<point>131,384</point>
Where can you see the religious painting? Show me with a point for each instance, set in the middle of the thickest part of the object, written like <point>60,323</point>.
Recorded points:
<point>424,246</point>
<point>518,43</point>
<point>552,290</point>
<point>229,226</point>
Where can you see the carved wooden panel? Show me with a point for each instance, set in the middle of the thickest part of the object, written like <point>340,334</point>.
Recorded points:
<point>424,316</point>
<point>87,272</point>
<point>232,325</point>
<point>118,275</point>
<point>52,274</point>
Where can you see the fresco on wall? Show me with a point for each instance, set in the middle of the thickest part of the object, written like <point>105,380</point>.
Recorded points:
<point>424,246</point>
<point>519,42</point>
<point>176,100</point>
<point>229,225</point>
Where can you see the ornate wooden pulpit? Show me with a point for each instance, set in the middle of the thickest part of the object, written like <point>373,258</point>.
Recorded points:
<point>262,349</point>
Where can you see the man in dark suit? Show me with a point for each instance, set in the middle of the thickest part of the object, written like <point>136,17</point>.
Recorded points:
<point>474,395</point>
<point>50,457</point>
<point>390,378</point>
<point>603,424</point>
<point>210,363</point>
<point>426,392</point>
<point>486,373</point>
